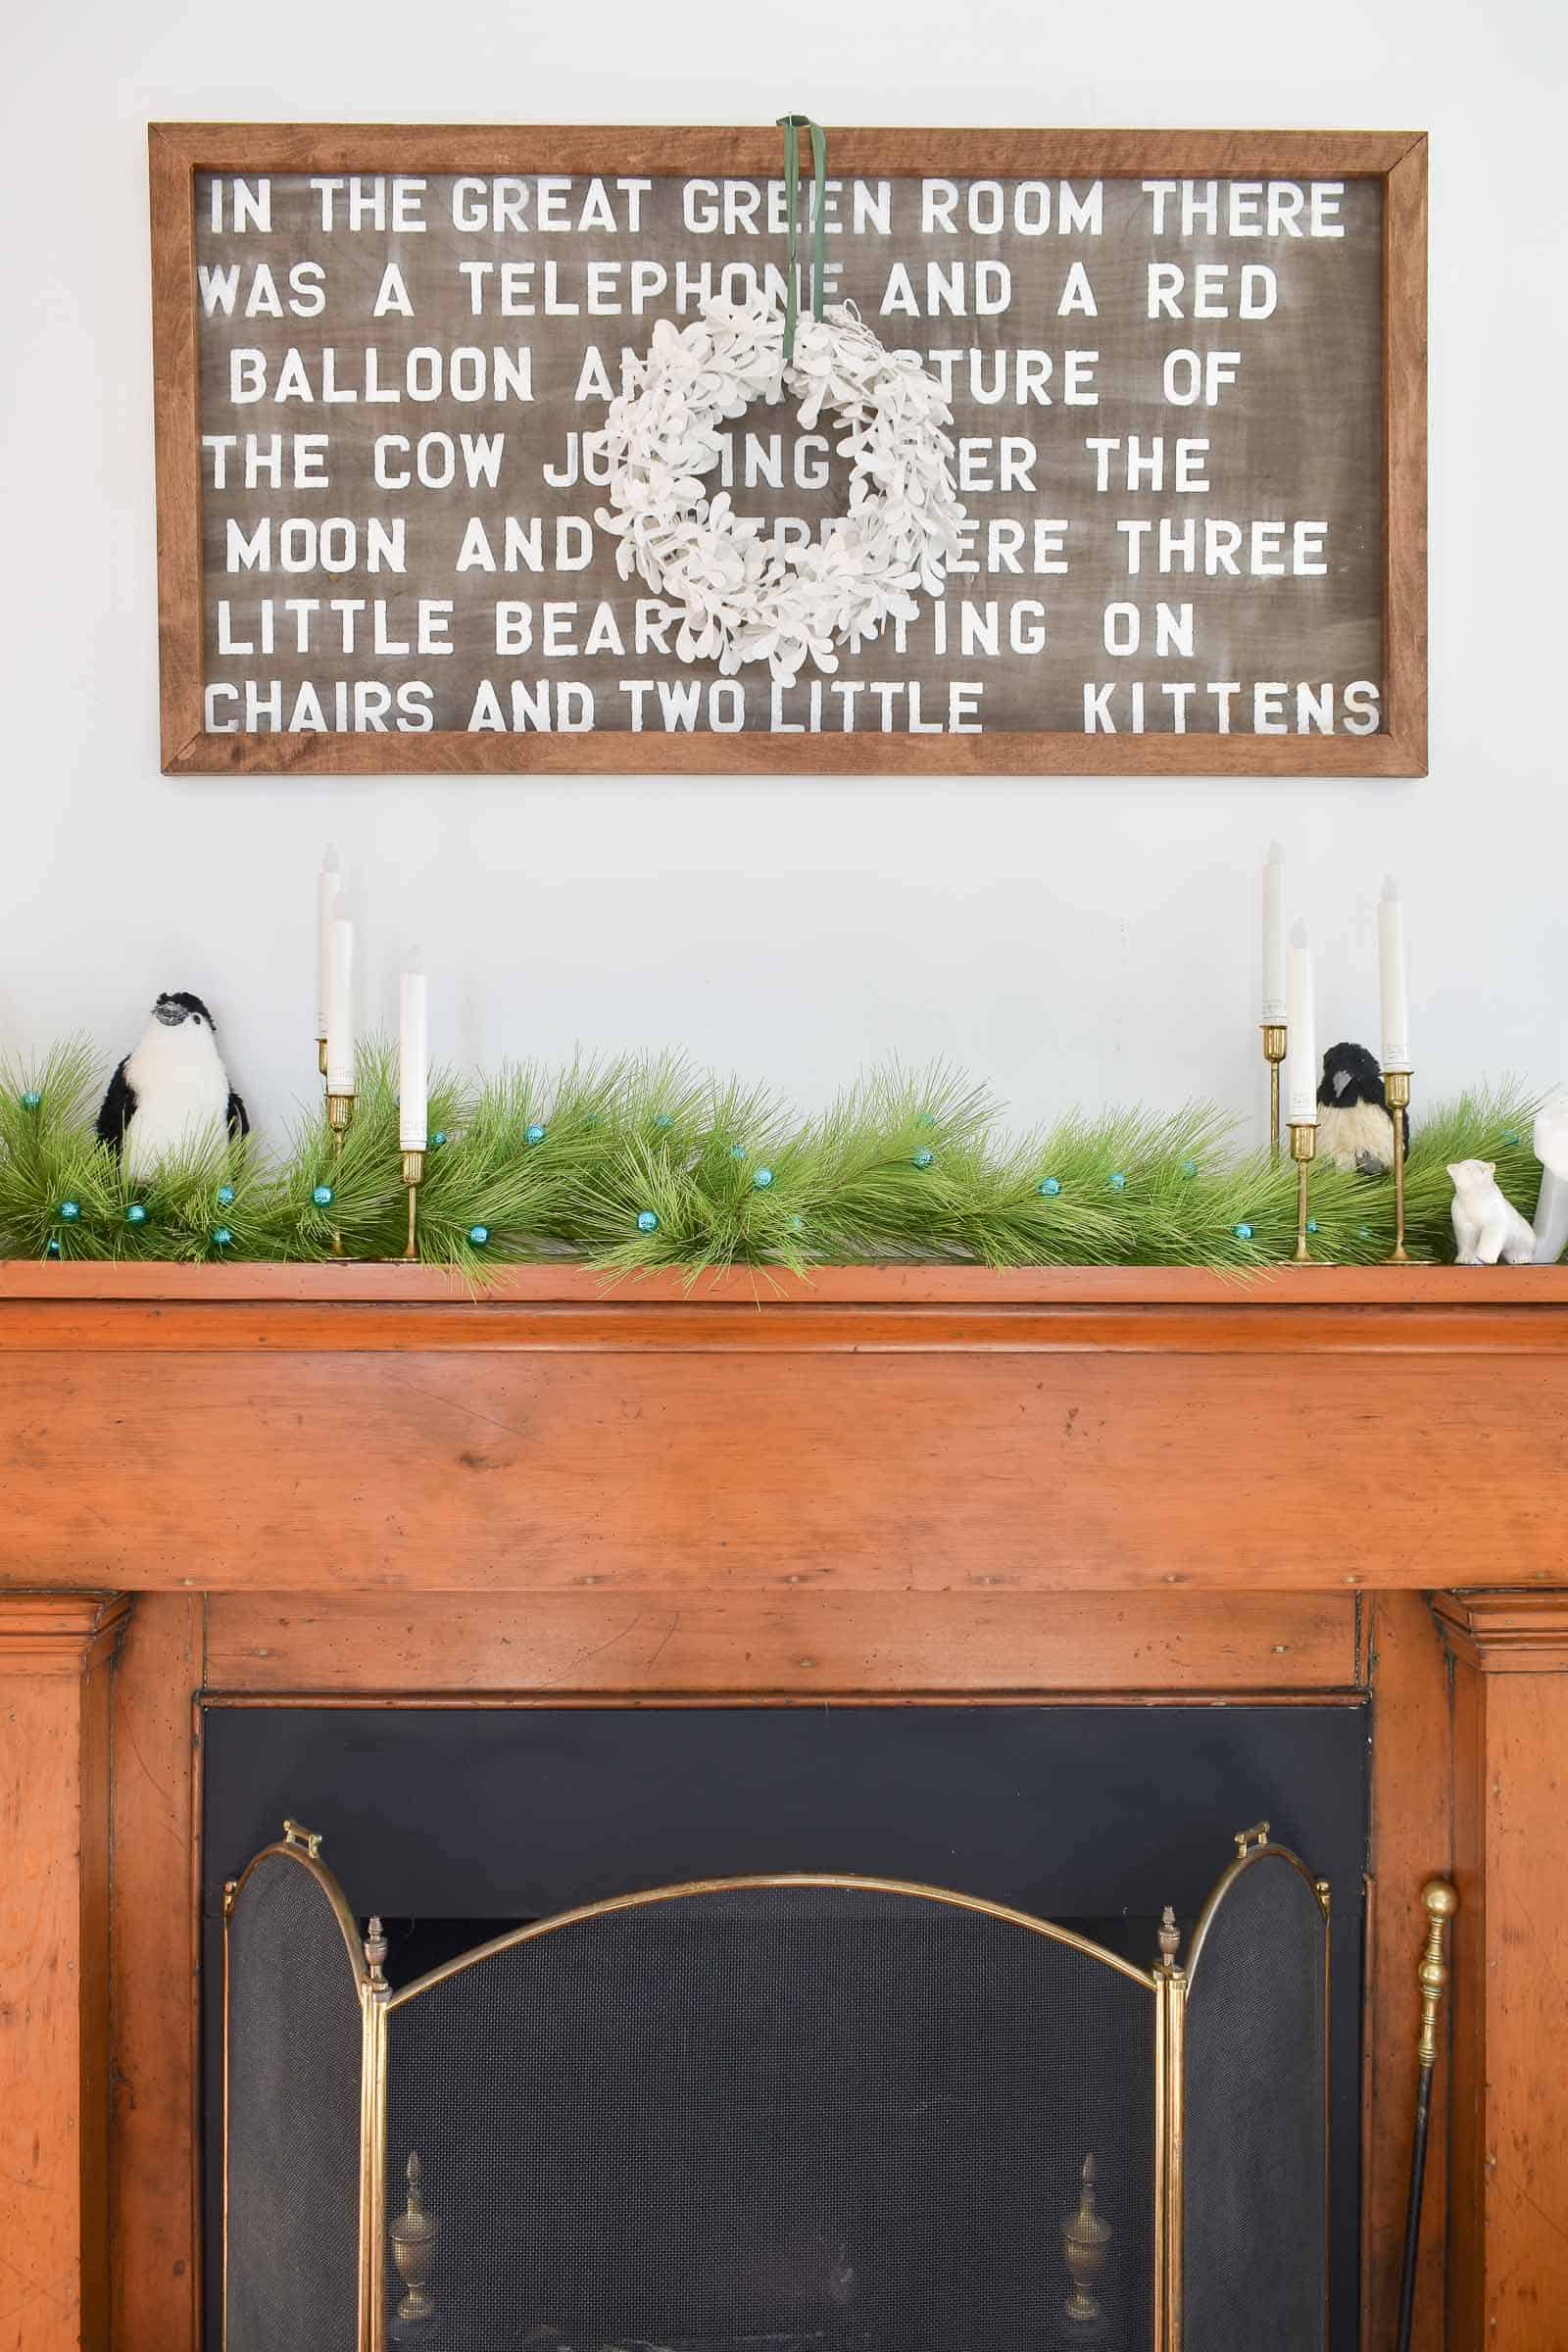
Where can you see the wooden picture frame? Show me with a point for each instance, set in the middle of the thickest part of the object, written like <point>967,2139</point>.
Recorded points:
<point>1397,158</point>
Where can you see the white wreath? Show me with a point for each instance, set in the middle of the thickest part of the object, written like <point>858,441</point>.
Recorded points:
<point>744,600</point>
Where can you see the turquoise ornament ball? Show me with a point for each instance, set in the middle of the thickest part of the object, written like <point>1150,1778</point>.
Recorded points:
<point>1117,1181</point>
<point>437,1140</point>
<point>762,1180</point>
<point>136,1214</point>
<point>31,1100</point>
<point>797,1224</point>
<point>53,1249</point>
<point>1188,1168</point>
<point>646,1222</point>
<point>1050,1185</point>
<point>479,1235</point>
<point>535,1135</point>
<point>662,1118</point>
<point>70,1211</point>
<point>1311,1224</point>
<point>923,1157</point>
<point>322,1196</point>
<point>222,1239</point>
<point>225,1196</point>
<point>737,1151</point>
<point>1511,1138</point>
<point>1242,1233</point>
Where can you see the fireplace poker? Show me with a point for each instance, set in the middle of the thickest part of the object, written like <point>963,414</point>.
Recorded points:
<point>1441,1903</point>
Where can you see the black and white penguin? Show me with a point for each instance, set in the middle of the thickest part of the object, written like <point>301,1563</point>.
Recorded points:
<point>171,1094</point>
<point>1354,1129</point>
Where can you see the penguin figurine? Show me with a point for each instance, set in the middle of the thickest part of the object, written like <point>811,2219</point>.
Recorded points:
<point>1355,1128</point>
<point>171,1094</point>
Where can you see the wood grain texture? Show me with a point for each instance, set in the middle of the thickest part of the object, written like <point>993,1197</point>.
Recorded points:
<point>177,151</point>
<point>1410,1842</point>
<point>1506,1632</point>
<point>645,1443</point>
<point>54,1940</point>
<point>155,2177</point>
<point>645,1644</point>
<point>1508,2279</point>
<point>1404,455</point>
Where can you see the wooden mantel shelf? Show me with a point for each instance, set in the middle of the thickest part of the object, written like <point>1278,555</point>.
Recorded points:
<point>871,1430</point>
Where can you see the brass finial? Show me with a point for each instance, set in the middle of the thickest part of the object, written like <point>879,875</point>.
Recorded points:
<point>375,1951</point>
<point>1169,1937</point>
<point>1442,1903</point>
<point>414,2238</point>
<point>1245,1840</point>
<point>1085,2248</point>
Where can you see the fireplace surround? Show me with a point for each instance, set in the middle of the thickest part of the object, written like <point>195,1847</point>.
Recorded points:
<point>897,1488</point>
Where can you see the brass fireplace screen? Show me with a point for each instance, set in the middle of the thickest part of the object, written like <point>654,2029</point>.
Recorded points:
<point>776,2114</point>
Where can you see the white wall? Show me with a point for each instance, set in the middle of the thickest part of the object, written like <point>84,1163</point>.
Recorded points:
<point>1075,941</point>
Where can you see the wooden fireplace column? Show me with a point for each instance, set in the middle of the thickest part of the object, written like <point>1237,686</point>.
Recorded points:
<point>907,1487</point>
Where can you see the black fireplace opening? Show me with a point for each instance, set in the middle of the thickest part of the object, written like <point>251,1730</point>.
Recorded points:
<point>820,2114</point>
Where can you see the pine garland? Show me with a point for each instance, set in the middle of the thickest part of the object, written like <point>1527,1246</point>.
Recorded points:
<point>633,1166</point>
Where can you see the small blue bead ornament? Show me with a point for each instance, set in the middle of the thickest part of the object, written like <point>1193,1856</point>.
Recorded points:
<point>70,1211</point>
<point>1242,1233</point>
<point>31,1100</point>
<point>1311,1224</point>
<point>662,1118</point>
<point>762,1180</point>
<point>222,1239</point>
<point>437,1140</point>
<point>925,1118</point>
<point>646,1222</point>
<point>479,1235</point>
<point>737,1151</point>
<point>1188,1168</point>
<point>53,1249</point>
<point>1050,1185</point>
<point>1117,1181</point>
<point>136,1214</point>
<point>797,1224</point>
<point>1511,1138</point>
<point>923,1157</point>
<point>535,1135</point>
<point>322,1196</point>
<point>225,1196</point>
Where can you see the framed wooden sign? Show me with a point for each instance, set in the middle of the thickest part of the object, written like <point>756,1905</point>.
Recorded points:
<point>1186,373</point>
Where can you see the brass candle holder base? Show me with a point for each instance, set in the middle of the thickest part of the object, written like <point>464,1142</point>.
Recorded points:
<point>1304,1150</point>
<point>1397,1095</point>
<point>1276,1039</point>
<point>412,1178</point>
<point>320,1055</point>
<point>339,1120</point>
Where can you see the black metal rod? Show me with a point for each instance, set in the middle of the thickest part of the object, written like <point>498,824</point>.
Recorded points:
<point>1412,2211</point>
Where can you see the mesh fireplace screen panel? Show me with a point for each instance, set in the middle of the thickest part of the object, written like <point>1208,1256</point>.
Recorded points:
<point>291,2273</point>
<point>830,2116</point>
<point>1257,2119</point>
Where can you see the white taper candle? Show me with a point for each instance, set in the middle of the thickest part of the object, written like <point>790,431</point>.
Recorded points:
<point>1393,980</point>
<point>413,1059</point>
<point>340,1008</point>
<point>327,882</point>
<point>1274,937</point>
<point>1300,1061</point>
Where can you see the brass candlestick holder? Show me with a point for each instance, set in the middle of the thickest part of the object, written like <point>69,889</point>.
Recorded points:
<point>1275,1041</point>
<point>412,1178</point>
<point>339,1120</point>
<point>1397,1095</point>
<point>1085,2249</point>
<point>414,2237</point>
<point>320,1055</point>
<point>1304,1150</point>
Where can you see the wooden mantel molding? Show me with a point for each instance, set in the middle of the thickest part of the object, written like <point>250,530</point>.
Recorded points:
<point>1506,1632</point>
<point>879,1430</point>
<point>55,1651</point>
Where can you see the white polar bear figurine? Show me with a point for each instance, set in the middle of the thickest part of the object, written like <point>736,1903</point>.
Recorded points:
<point>1486,1226</point>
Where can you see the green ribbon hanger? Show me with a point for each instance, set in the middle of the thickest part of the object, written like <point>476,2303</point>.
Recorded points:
<point>792,125</point>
